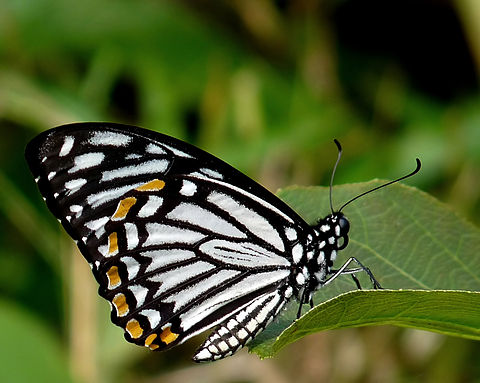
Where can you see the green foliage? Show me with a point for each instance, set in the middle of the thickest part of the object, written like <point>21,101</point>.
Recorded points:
<point>447,312</point>
<point>410,241</point>
<point>31,351</point>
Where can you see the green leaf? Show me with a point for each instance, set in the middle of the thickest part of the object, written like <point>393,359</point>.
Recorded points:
<point>409,240</point>
<point>447,312</point>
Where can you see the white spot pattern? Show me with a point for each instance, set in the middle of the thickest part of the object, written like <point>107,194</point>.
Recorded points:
<point>133,267</point>
<point>196,215</point>
<point>160,234</point>
<point>140,293</point>
<point>297,253</point>
<point>66,147</point>
<point>244,254</point>
<point>131,234</point>
<point>188,188</point>
<point>76,184</point>
<point>211,173</point>
<point>153,317</point>
<point>147,167</point>
<point>291,233</point>
<point>154,149</point>
<point>151,206</point>
<point>85,161</point>
<point>105,138</point>
<point>253,221</point>
<point>162,258</point>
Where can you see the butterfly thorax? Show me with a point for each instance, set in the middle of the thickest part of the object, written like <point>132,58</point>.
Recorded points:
<point>327,237</point>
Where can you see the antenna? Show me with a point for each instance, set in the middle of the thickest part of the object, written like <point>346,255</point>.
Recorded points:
<point>419,165</point>
<point>334,170</point>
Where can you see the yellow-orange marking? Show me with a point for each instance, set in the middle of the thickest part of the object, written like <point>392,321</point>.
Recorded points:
<point>113,277</point>
<point>154,185</point>
<point>134,328</point>
<point>120,303</point>
<point>112,243</point>
<point>123,207</point>
<point>167,336</point>
<point>149,340</point>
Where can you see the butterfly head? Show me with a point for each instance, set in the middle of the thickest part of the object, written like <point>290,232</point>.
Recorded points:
<point>333,231</point>
<point>330,236</point>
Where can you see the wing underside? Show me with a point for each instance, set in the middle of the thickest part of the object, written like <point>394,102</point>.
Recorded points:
<point>178,240</point>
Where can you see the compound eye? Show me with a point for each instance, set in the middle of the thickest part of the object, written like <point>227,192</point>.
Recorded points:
<point>344,225</point>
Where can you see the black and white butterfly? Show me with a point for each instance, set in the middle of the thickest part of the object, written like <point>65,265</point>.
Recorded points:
<point>180,241</point>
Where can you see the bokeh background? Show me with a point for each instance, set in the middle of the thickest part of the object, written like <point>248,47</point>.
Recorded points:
<point>266,86</point>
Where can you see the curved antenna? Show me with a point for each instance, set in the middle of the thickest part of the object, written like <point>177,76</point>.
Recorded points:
<point>419,165</point>
<point>334,170</point>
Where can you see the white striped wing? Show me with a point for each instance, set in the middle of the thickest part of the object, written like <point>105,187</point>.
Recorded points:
<point>178,240</point>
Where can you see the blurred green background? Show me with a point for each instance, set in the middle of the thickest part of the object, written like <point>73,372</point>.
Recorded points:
<point>266,86</point>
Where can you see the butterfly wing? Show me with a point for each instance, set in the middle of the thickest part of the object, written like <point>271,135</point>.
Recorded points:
<point>178,240</point>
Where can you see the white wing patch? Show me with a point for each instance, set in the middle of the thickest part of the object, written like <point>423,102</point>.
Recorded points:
<point>253,221</point>
<point>243,254</point>
<point>133,267</point>
<point>77,209</point>
<point>140,293</point>
<point>155,149</point>
<point>153,317</point>
<point>97,199</point>
<point>291,233</point>
<point>131,233</point>
<point>177,151</point>
<point>211,173</point>
<point>107,138</point>
<point>67,146</point>
<point>297,253</point>
<point>151,206</point>
<point>184,296</point>
<point>87,160</point>
<point>243,192</point>
<point>171,278</point>
<point>97,225</point>
<point>75,185</point>
<point>148,167</point>
<point>196,215</point>
<point>188,188</point>
<point>160,234</point>
<point>162,258</point>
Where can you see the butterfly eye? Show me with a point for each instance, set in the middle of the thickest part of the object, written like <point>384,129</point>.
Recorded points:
<point>344,225</point>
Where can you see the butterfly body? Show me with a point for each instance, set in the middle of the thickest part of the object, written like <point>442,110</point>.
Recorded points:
<point>178,240</point>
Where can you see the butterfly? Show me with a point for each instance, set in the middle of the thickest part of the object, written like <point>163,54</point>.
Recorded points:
<point>178,240</point>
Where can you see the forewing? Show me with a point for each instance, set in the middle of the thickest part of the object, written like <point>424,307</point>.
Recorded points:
<point>177,239</point>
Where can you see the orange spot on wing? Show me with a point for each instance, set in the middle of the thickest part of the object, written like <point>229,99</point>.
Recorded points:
<point>113,277</point>
<point>149,340</point>
<point>134,328</point>
<point>112,243</point>
<point>167,336</point>
<point>154,185</point>
<point>123,207</point>
<point>120,303</point>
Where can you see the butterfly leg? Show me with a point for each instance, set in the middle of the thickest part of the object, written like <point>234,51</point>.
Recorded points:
<point>305,299</point>
<point>302,301</point>
<point>352,272</point>
<point>345,270</point>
